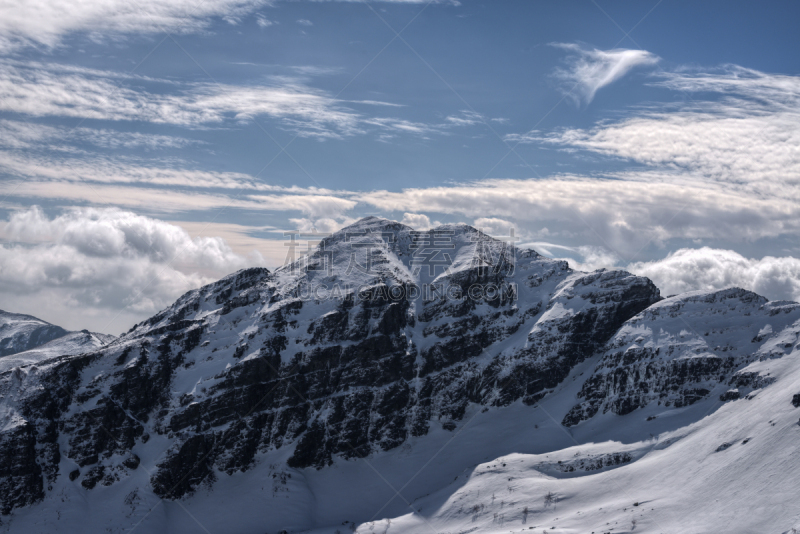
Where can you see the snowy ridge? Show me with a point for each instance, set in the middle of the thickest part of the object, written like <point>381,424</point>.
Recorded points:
<point>259,399</point>
<point>70,344</point>
<point>26,340</point>
<point>19,332</point>
<point>686,348</point>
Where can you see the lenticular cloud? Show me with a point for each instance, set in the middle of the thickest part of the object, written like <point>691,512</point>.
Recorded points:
<point>590,70</point>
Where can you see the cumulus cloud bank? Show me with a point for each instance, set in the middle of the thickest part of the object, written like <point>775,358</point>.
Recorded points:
<point>708,268</point>
<point>590,70</point>
<point>96,262</point>
<point>690,269</point>
<point>622,215</point>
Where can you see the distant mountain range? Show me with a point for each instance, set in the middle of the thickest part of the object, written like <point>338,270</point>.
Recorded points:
<point>398,381</point>
<point>25,340</point>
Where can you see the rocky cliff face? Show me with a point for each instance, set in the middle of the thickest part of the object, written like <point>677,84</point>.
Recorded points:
<point>379,335</point>
<point>682,349</point>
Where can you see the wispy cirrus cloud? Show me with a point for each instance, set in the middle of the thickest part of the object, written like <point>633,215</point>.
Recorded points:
<point>43,90</point>
<point>173,200</point>
<point>29,135</point>
<point>54,90</point>
<point>47,22</point>
<point>143,183</point>
<point>589,70</point>
<point>730,151</point>
<point>745,139</point>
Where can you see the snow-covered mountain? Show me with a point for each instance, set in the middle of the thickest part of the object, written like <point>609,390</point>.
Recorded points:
<point>401,380</point>
<point>19,332</point>
<point>26,340</point>
<point>69,344</point>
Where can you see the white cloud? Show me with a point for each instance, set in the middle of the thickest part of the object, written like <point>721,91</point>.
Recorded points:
<point>466,118</point>
<point>708,268</point>
<point>736,81</point>
<point>735,157</point>
<point>242,239</point>
<point>622,214</point>
<point>590,70</point>
<point>590,258</point>
<point>496,227</point>
<point>46,90</point>
<point>48,21</point>
<point>746,142</point>
<point>417,221</point>
<point>264,22</point>
<point>690,269</point>
<point>165,201</point>
<point>18,134</point>
<point>725,167</point>
<point>38,164</point>
<point>324,225</point>
<point>404,126</point>
<point>96,260</point>
<point>305,22</point>
<point>120,171</point>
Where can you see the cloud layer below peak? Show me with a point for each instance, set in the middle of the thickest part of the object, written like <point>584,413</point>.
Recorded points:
<point>707,268</point>
<point>105,261</point>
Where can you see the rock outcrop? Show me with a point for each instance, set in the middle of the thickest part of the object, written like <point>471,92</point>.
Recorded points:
<point>681,349</point>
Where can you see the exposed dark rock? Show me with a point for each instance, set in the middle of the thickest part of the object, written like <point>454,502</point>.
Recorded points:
<point>21,480</point>
<point>731,394</point>
<point>679,367</point>
<point>131,462</point>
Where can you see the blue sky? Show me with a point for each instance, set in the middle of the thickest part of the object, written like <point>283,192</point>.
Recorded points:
<point>149,147</point>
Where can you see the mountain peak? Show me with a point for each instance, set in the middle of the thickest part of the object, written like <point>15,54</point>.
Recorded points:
<point>372,223</point>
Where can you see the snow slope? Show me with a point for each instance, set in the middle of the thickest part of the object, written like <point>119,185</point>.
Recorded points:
<point>69,344</point>
<point>734,471</point>
<point>19,332</point>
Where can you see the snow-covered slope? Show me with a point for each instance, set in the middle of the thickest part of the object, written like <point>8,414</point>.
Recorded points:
<point>69,344</point>
<point>734,471</point>
<point>20,332</point>
<point>355,385</point>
